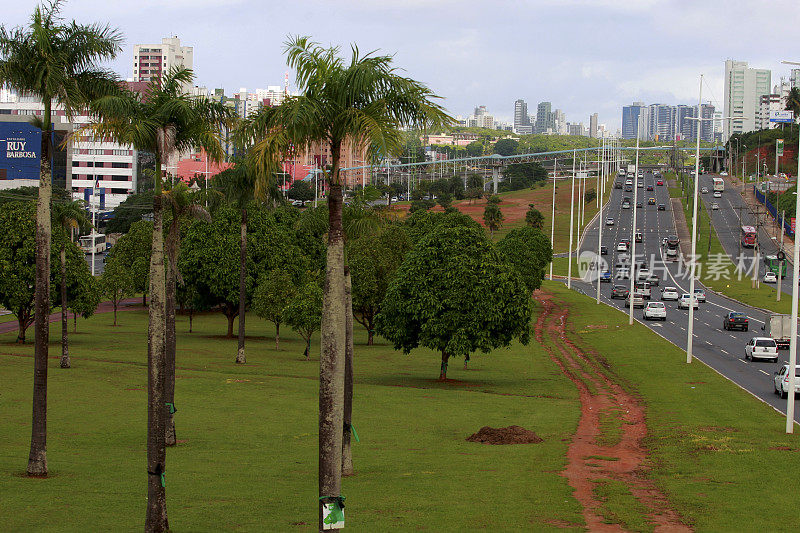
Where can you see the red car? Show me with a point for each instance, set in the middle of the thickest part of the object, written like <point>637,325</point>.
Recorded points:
<point>660,182</point>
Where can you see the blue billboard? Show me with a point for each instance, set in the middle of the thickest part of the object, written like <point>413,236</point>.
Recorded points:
<point>20,151</point>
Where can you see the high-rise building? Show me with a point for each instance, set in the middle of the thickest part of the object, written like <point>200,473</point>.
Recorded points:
<point>767,103</point>
<point>593,125</point>
<point>631,114</point>
<point>560,120</point>
<point>151,61</point>
<point>743,89</point>
<point>685,127</point>
<point>480,119</point>
<point>707,112</point>
<point>545,119</point>
<point>522,121</point>
<point>659,123</point>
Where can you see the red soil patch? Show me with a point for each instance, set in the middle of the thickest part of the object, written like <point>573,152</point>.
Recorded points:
<point>782,448</point>
<point>507,435</point>
<point>630,466</point>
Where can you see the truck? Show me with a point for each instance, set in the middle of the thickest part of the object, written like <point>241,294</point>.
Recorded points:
<point>631,169</point>
<point>779,328</point>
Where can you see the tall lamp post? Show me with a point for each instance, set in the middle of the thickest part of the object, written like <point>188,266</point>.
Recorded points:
<point>632,262</point>
<point>571,226</point>
<point>553,214</point>
<point>601,186</point>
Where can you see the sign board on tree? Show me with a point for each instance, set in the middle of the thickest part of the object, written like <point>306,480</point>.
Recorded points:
<point>332,516</point>
<point>779,147</point>
<point>781,116</point>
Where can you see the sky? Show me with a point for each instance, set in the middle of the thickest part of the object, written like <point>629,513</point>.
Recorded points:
<point>584,56</point>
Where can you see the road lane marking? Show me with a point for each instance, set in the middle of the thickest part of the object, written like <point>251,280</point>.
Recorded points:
<point>724,351</point>
<point>765,373</point>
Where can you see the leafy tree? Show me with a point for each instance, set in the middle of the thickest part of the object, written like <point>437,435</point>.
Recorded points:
<point>457,187</point>
<point>304,312</point>
<point>83,296</point>
<point>133,250</point>
<point>534,218</point>
<point>363,101</point>
<point>373,260</point>
<point>274,292</point>
<point>506,147</point>
<point>419,225</point>
<point>492,216</point>
<point>475,149</point>
<point>115,284</point>
<point>131,210</point>
<point>529,251</point>
<point>162,121</point>
<point>55,62</point>
<point>427,304</point>
<point>475,181</point>
<point>300,190</point>
<point>589,196</point>
<point>445,199</point>
<point>793,101</point>
<point>522,175</point>
<point>493,199</point>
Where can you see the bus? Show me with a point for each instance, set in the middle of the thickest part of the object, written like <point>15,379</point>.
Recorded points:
<point>749,237</point>
<point>719,184</point>
<point>772,264</point>
<point>85,243</point>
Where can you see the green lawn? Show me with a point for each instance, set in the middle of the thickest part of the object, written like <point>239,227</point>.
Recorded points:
<point>247,458</point>
<point>717,452</point>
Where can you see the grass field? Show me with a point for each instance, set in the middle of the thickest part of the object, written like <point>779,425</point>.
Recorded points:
<point>247,453</point>
<point>718,452</point>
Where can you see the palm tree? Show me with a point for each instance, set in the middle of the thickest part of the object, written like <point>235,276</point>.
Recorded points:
<point>69,215</point>
<point>363,102</point>
<point>161,121</point>
<point>238,184</point>
<point>55,62</point>
<point>182,204</point>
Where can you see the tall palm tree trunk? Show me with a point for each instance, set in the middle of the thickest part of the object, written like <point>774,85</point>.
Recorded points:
<point>347,454</point>
<point>170,341</point>
<point>65,363</point>
<point>240,357</point>
<point>331,360</point>
<point>37,459</point>
<point>156,519</point>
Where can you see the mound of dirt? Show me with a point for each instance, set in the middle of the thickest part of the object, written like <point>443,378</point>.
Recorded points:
<point>509,435</point>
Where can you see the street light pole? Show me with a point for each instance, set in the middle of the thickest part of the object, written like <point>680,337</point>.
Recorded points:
<point>553,216</point>
<point>632,262</point>
<point>692,258</point>
<point>571,220</point>
<point>601,183</point>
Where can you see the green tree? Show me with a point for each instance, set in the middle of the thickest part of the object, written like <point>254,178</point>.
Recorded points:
<point>506,147</point>
<point>85,296</point>
<point>115,284</point>
<point>475,181</point>
<point>304,312</point>
<point>373,260</point>
<point>445,199</point>
<point>492,216</point>
<point>793,101</point>
<point>133,250</point>
<point>70,217</point>
<point>55,62</point>
<point>589,196</point>
<point>300,190</point>
<point>273,293</point>
<point>475,149</point>
<point>426,304</point>
<point>529,251</point>
<point>534,218</point>
<point>522,175</point>
<point>133,209</point>
<point>162,121</point>
<point>365,102</point>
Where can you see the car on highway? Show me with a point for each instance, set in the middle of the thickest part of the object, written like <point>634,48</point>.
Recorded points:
<point>670,293</point>
<point>642,288</point>
<point>683,301</point>
<point>770,277</point>
<point>604,250</point>
<point>735,320</point>
<point>619,291</point>
<point>640,183</point>
<point>704,190</point>
<point>605,276</point>
<point>638,236</point>
<point>642,273</point>
<point>672,253</point>
<point>660,183</point>
<point>628,182</point>
<point>297,203</point>
<point>626,203</point>
<point>629,188</point>
<point>617,184</point>
<point>639,204</point>
<point>653,279</point>
<point>700,294</point>
<point>638,300</point>
<point>673,241</point>
<point>723,173</point>
<point>717,194</point>
<point>622,247</point>
<point>781,381</point>
<point>655,311</point>
<point>662,207</point>
<point>394,199</point>
<point>649,187</point>
<point>651,201</point>
<point>610,221</point>
<point>761,348</point>
<point>715,206</point>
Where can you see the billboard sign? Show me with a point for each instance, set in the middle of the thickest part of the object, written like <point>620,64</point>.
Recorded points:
<point>20,150</point>
<point>779,148</point>
<point>781,116</point>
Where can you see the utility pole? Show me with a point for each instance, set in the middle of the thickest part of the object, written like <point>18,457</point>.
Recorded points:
<point>780,261</point>
<point>692,258</point>
<point>571,218</point>
<point>632,262</point>
<point>553,214</point>
<point>601,184</point>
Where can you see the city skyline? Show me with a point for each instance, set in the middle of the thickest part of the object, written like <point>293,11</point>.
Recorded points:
<point>591,57</point>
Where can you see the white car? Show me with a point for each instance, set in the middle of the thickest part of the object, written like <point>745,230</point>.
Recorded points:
<point>761,348</point>
<point>700,294</point>
<point>770,277</point>
<point>638,300</point>
<point>394,199</point>
<point>683,301</point>
<point>704,190</point>
<point>717,194</point>
<point>643,273</point>
<point>655,311</point>
<point>670,293</point>
<point>622,247</point>
<point>672,253</point>
<point>609,221</point>
<point>781,381</point>
<point>723,173</point>
<point>714,206</point>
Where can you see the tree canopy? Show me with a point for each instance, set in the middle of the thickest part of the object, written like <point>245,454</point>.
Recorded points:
<point>529,251</point>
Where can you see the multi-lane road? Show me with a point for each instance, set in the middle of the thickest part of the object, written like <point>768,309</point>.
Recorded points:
<point>721,350</point>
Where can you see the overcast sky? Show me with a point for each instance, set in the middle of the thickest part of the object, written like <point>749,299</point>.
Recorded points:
<point>584,56</point>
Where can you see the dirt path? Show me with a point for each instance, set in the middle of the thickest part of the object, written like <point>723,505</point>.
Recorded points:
<point>598,454</point>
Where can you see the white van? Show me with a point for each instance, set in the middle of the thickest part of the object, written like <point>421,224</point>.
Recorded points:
<point>642,288</point>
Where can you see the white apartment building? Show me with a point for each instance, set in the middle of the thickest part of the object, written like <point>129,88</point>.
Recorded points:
<point>767,103</point>
<point>744,87</point>
<point>113,165</point>
<point>151,61</point>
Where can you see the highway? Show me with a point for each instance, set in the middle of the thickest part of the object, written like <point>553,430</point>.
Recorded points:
<point>721,350</point>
